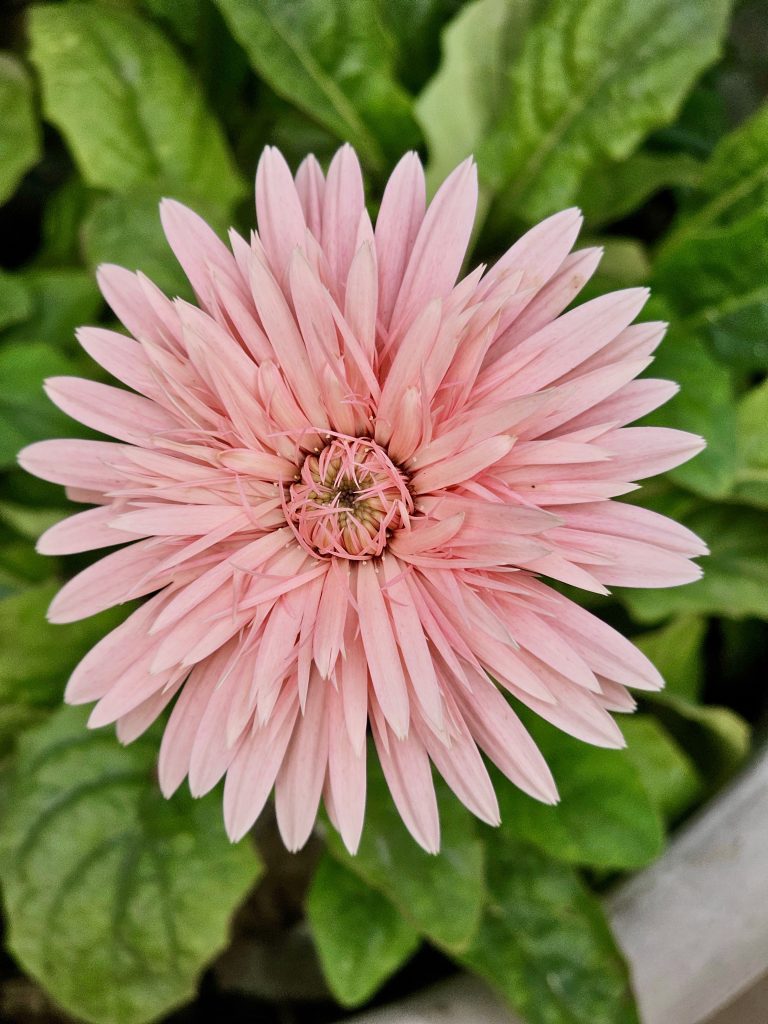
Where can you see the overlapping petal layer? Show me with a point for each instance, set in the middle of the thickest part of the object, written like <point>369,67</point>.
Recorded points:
<point>342,477</point>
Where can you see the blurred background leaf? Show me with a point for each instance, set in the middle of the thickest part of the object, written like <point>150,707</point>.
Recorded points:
<point>19,128</point>
<point>337,63</point>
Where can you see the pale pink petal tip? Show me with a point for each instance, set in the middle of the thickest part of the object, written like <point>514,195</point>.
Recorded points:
<point>337,486</point>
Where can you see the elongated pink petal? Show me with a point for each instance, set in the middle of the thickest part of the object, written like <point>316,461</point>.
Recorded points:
<point>440,245</point>
<point>346,775</point>
<point>84,531</point>
<point>302,773</point>
<point>407,771</point>
<point>252,773</point>
<point>398,223</point>
<point>343,203</point>
<point>381,650</point>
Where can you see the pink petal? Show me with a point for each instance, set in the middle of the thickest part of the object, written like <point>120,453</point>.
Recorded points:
<point>381,649</point>
<point>409,777</point>
<point>440,246</point>
<point>343,203</point>
<point>346,775</point>
<point>400,216</point>
<point>282,227</point>
<point>84,531</point>
<point>110,410</point>
<point>252,773</point>
<point>302,773</point>
<point>121,576</point>
<point>310,185</point>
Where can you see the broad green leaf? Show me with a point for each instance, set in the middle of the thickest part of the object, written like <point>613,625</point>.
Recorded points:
<point>735,581</point>
<point>734,180</point>
<point>441,896</point>
<point>713,262</point>
<point>361,937</point>
<point>19,130</point>
<point>624,264</point>
<point>126,229</point>
<point>462,102</point>
<point>26,414</point>
<point>611,191</point>
<point>35,656</point>
<point>29,521</point>
<point>667,773</point>
<point>61,300</point>
<point>115,898</point>
<point>128,107</point>
<point>184,16</point>
<point>591,81</point>
<point>605,818</point>
<point>336,63</point>
<point>676,649</point>
<point>62,217</point>
<point>715,738</point>
<point>416,25</point>
<point>702,121</point>
<point>708,410</point>
<point>715,279</point>
<point>20,565</point>
<point>15,301</point>
<point>752,470</point>
<point>544,943</point>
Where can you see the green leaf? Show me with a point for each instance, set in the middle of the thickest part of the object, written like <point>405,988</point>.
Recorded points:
<point>15,301</point>
<point>442,896</point>
<point>668,774</point>
<point>336,63</point>
<point>544,943</point>
<point>734,181</point>
<point>29,521</point>
<point>184,16</point>
<point>126,104</point>
<point>126,229</point>
<point>464,99</point>
<point>416,25</point>
<point>591,81</point>
<point>702,122</point>
<point>605,818</point>
<point>735,581</point>
<point>710,411</point>
<point>36,657</point>
<point>61,300</point>
<point>715,279</point>
<point>715,738</point>
<point>20,565</point>
<point>712,264</point>
<point>26,414</point>
<point>751,485</point>
<point>19,130</point>
<point>62,217</point>
<point>611,191</point>
<point>676,649</point>
<point>115,898</point>
<point>360,936</point>
<point>624,264</point>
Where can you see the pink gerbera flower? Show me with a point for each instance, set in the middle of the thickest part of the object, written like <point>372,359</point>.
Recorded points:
<point>342,478</point>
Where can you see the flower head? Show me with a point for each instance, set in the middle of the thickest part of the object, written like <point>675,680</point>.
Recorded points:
<point>343,477</point>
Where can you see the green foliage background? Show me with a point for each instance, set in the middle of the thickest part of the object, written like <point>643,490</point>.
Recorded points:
<point>650,115</point>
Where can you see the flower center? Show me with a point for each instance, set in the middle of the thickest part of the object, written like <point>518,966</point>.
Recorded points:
<point>347,500</point>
